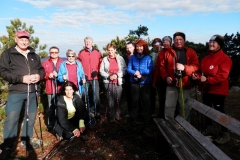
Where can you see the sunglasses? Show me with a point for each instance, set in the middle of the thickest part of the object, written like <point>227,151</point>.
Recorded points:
<point>71,56</point>
<point>53,52</point>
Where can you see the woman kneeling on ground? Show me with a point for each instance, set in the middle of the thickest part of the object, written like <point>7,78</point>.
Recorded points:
<point>71,112</point>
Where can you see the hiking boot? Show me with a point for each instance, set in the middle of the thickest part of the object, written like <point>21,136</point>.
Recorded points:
<point>113,121</point>
<point>222,138</point>
<point>155,115</point>
<point>32,145</point>
<point>118,118</point>
<point>5,153</point>
<point>84,137</point>
<point>50,128</point>
<point>127,116</point>
<point>208,131</point>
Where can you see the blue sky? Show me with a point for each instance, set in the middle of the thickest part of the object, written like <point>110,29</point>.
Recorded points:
<point>66,23</point>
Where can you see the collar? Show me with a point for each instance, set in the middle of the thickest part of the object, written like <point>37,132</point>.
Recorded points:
<point>71,63</point>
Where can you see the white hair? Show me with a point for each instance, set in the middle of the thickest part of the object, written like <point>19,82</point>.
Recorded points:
<point>90,38</point>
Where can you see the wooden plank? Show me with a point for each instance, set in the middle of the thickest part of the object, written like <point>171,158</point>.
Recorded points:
<point>208,145</point>
<point>221,118</point>
<point>192,141</point>
<point>181,148</point>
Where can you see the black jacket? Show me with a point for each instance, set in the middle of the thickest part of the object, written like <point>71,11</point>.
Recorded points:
<point>62,113</point>
<point>14,65</point>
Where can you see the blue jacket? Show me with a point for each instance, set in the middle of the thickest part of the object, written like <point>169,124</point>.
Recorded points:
<point>80,73</point>
<point>144,65</point>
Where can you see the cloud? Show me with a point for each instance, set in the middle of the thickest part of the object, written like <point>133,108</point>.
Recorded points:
<point>73,4</point>
<point>86,18</point>
<point>141,7</point>
<point>106,19</point>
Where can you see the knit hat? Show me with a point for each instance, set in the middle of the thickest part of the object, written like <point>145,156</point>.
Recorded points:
<point>219,39</point>
<point>167,38</point>
<point>156,41</point>
<point>179,34</point>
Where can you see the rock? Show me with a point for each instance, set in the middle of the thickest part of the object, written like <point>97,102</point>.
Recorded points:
<point>235,89</point>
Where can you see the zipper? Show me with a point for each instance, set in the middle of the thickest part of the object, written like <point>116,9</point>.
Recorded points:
<point>28,66</point>
<point>89,64</point>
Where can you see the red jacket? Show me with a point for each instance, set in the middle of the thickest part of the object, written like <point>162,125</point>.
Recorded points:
<point>48,67</point>
<point>157,75</point>
<point>167,65</point>
<point>90,61</point>
<point>216,67</point>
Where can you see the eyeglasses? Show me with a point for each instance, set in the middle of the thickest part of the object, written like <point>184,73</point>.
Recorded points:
<point>53,52</point>
<point>71,56</point>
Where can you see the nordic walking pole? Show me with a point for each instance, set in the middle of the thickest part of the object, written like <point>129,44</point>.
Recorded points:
<point>94,91</point>
<point>198,117</point>
<point>196,97</point>
<point>39,118</point>
<point>201,116</point>
<point>87,101</point>
<point>182,97</point>
<point>27,117</point>
<point>55,98</point>
<point>117,100</point>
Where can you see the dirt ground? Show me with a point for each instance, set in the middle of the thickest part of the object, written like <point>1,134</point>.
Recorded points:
<point>117,141</point>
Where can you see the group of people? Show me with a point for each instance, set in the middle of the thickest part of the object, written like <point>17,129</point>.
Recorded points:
<point>141,72</point>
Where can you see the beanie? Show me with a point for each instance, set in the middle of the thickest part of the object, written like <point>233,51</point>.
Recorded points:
<point>167,38</point>
<point>179,34</point>
<point>157,41</point>
<point>219,39</point>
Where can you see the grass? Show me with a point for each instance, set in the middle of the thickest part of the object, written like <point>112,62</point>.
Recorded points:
<point>107,141</point>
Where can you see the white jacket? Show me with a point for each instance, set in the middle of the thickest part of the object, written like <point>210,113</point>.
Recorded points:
<point>104,69</point>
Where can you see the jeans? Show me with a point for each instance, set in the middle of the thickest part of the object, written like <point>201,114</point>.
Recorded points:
<point>51,110</point>
<point>13,109</point>
<point>96,99</point>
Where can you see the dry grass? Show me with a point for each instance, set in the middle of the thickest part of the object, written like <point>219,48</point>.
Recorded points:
<point>102,134</point>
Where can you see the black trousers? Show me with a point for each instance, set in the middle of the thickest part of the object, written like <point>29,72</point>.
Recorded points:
<point>217,102</point>
<point>140,98</point>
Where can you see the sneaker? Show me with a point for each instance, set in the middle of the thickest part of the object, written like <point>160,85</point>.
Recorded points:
<point>118,118</point>
<point>32,145</point>
<point>127,116</point>
<point>154,115</point>
<point>222,138</point>
<point>208,131</point>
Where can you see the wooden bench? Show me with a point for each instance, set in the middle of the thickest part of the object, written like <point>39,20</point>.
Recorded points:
<point>187,142</point>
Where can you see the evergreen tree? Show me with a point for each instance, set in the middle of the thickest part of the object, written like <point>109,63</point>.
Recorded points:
<point>142,30</point>
<point>232,48</point>
<point>8,41</point>
<point>200,49</point>
<point>120,45</point>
